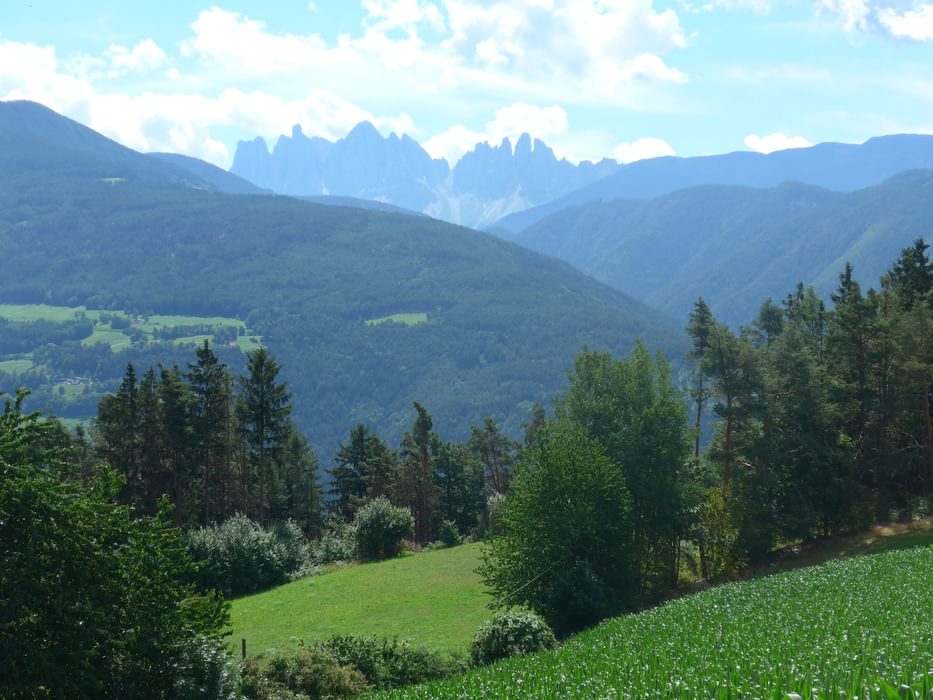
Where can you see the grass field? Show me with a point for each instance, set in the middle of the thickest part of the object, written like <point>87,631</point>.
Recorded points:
<point>119,339</point>
<point>15,366</point>
<point>116,339</point>
<point>857,627</point>
<point>434,599</point>
<point>407,319</point>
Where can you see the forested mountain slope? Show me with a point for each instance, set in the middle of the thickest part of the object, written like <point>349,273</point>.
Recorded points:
<point>836,166</point>
<point>490,326</point>
<point>735,246</point>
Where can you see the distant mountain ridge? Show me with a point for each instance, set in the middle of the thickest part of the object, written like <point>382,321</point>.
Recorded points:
<point>486,184</point>
<point>85,221</point>
<point>835,166</point>
<point>736,246</point>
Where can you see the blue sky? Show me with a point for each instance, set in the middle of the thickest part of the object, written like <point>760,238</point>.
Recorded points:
<point>592,78</point>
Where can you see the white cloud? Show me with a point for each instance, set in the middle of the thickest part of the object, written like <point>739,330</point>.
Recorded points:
<point>571,41</point>
<point>144,56</point>
<point>593,50</point>
<point>775,142</point>
<point>453,143</point>
<point>916,23</point>
<point>233,74</point>
<point>761,7</point>
<point>643,148</point>
<point>855,14</point>
<point>902,19</point>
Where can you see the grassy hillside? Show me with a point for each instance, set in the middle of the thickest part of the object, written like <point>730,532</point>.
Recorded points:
<point>736,246</point>
<point>502,323</point>
<point>434,598</point>
<point>858,627</point>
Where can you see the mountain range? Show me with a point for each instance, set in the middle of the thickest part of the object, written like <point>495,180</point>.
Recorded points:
<point>836,166</point>
<point>486,184</point>
<point>736,246</point>
<point>366,310</point>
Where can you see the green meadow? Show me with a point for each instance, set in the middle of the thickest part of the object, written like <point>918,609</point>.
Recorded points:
<point>435,599</point>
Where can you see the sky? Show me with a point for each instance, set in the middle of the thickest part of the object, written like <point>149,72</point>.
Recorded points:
<point>623,79</point>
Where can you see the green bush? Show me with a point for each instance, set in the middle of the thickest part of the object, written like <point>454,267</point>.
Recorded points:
<point>379,529</point>
<point>511,633</point>
<point>448,533</point>
<point>306,673</point>
<point>239,556</point>
<point>390,664</point>
<point>206,672</point>
<point>336,544</point>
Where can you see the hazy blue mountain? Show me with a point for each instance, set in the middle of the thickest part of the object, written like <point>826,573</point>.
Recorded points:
<point>366,310</point>
<point>835,166</point>
<point>357,203</point>
<point>486,184</point>
<point>735,246</point>
<point>220,179</point>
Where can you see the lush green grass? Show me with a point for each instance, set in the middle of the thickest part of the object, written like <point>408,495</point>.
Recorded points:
<point>116,339</point>
<point>15,366</point>
<point>23,313</point>
<point>854,627</point>
<point>434,599</point>
<point>406,319</point>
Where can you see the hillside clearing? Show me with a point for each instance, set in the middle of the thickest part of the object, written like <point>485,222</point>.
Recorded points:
<point>435,599</point>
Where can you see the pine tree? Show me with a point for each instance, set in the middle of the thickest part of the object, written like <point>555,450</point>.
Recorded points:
<point>263,419</point>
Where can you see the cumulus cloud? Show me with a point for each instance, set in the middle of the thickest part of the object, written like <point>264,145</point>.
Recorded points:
<point>761,7</point>
<point>233,74</point>
<point>643,148</point>
<point>775,142</point>
<point>144,56</point>
<point>899,18</point>
<point>916,23</point>
<point>855,14</point>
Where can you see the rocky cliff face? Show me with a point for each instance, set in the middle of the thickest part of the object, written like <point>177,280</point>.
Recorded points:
<point>485,185</point>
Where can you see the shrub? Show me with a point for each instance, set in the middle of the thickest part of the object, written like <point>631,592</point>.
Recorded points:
<point>388,663</point>
<point>305,673</point>
<point>510,633</point>
<point>337,544</point>
<point>239,556</point>
<point>380,528</point>
<point>206,672</point>
<point>448,533</point>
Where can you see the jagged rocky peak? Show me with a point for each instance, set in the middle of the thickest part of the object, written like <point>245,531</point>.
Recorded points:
<point>488,181</point>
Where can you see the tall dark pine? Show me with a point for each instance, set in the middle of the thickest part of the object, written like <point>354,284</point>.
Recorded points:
<point>117,435</point>
<point>263,417</point>
<point>417,480</point>
<point>211,416</point>
<point>699,328</point>
<point>348,477</point>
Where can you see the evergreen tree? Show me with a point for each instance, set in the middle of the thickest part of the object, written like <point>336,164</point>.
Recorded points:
<point>212,412</point>
<point>415,485</point>
<point>263,419</point>
<point>699,328</point>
